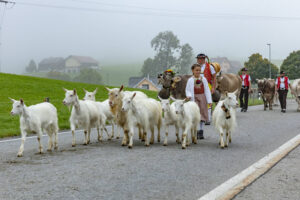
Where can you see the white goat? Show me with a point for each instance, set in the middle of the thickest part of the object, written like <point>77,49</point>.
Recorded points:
<point>143,112</point>
<point>224,117</point>
<point>188,118</point>
<point>169,118</point>
<point>84,114</point>
<point>36,119</point>
<point>104,106</point>
<point>115,102</point>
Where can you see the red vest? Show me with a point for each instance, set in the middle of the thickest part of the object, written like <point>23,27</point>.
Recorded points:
<point>207,73</point>
<point>246,80</point>
<point>285,83</point>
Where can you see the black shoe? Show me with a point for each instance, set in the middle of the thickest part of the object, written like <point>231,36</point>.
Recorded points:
<point>283,110</point>
<point>245,110</point>
<point>207,123</point>
<point>242,109</point>
<point>200,135</point>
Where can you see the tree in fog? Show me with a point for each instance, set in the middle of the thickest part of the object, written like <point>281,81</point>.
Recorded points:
<point>185,59</point>
<point>31,67</point>
<point>166,45</point>
<point>291,65</point>
<point>258,67</point>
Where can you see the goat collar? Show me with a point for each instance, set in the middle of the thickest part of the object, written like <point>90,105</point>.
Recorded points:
<point>226,110</point>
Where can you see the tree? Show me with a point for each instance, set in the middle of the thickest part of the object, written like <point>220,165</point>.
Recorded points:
<point>166,45</point>
<point>31,67</point>
<point>291,65</point>
<point>89,76</point>
<point>185,60</point>
<point>258,67</point>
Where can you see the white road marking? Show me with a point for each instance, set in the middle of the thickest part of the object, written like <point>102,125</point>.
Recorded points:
<point>236,184</point>
<point>31,137</point>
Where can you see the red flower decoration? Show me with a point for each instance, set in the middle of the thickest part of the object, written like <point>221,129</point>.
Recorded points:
<point>198,81</point>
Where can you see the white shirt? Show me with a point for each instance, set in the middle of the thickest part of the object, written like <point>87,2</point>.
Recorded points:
<point>189,89</point>
<point>282,85</point>
<point>243,78</point>
<point>212,69</point>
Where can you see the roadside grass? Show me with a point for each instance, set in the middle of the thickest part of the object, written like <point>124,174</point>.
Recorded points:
<point>33,90</point>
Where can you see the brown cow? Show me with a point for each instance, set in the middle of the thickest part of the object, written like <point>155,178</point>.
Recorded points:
<point>171,85</point>
<point>230,83</point>
<point>267,89</point>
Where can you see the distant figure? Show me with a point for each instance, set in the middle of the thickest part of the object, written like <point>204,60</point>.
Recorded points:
<point>245,90</point>
<point>207,71</point>
<point>282,87</point>
<point>197,90</point>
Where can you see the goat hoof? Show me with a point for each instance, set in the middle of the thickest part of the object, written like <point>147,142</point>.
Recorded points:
<point>147,145</point>
<point>129,146</point>
<point>20,154</point>
<point>222,147</point>
<point>183,147</point>
<point>49,150</point>
<point>117,137</point>
<point>55,148</point>
<point>73,145</point>
<point>84,143</point>
<point>165,144</point>
<point>226,146</point>
<point>158,140</point>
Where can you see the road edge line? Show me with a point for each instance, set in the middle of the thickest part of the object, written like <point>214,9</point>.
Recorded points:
<point>236,184</point>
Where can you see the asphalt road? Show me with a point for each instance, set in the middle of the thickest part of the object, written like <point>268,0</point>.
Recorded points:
<point>108,171</point>
<point>281,182</point>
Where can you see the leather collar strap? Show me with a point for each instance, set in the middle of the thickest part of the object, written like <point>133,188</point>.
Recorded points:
<point>226,110</point>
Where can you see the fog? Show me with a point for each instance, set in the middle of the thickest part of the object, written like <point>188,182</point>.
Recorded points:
<point>120,31</point>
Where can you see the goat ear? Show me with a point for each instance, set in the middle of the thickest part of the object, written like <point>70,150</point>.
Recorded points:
<point>22,102</point>
<point>65,89</point>
<point>107,89</point>
<point>159,98</point>
<point>121,88</point>
<point>236,91</point>
<point>74,91</point>
<point>172,98</point>
<point>12,100</point>
<point>185,100</point>
<point>133,95</point>
<point>95,91</point>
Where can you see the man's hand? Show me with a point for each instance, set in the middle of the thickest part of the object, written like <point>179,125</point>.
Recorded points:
<point>209,104</point>
<point>213,90</point>
<point>188,98</point>
<point>250,91</point>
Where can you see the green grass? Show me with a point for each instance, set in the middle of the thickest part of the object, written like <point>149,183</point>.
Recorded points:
<point>33,90</point>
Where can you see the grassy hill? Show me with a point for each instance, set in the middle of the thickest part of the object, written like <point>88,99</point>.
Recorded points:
<point>33,90</point>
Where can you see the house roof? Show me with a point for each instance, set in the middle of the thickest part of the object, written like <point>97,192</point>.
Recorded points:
<point>51,60</point>
<point>134,81</point>
<point>52,63</point>
<point>84,59</point>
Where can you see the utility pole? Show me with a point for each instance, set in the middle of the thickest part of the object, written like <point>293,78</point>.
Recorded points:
<point>269,44</point>
<point>1,20</point>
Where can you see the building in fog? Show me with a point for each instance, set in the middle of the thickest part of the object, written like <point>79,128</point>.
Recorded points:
<point>72,64</point>
<point>52,64</point>
<point>146,83</point>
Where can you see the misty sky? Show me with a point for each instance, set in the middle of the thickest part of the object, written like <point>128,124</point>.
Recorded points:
<point>117,31</point>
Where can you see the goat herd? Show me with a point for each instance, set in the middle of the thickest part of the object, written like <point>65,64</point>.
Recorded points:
<point>127,110</point>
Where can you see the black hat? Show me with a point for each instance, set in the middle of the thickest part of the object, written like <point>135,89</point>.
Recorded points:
<point>244,69</point>
<point>282,72</point>
<point>201,55</point>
